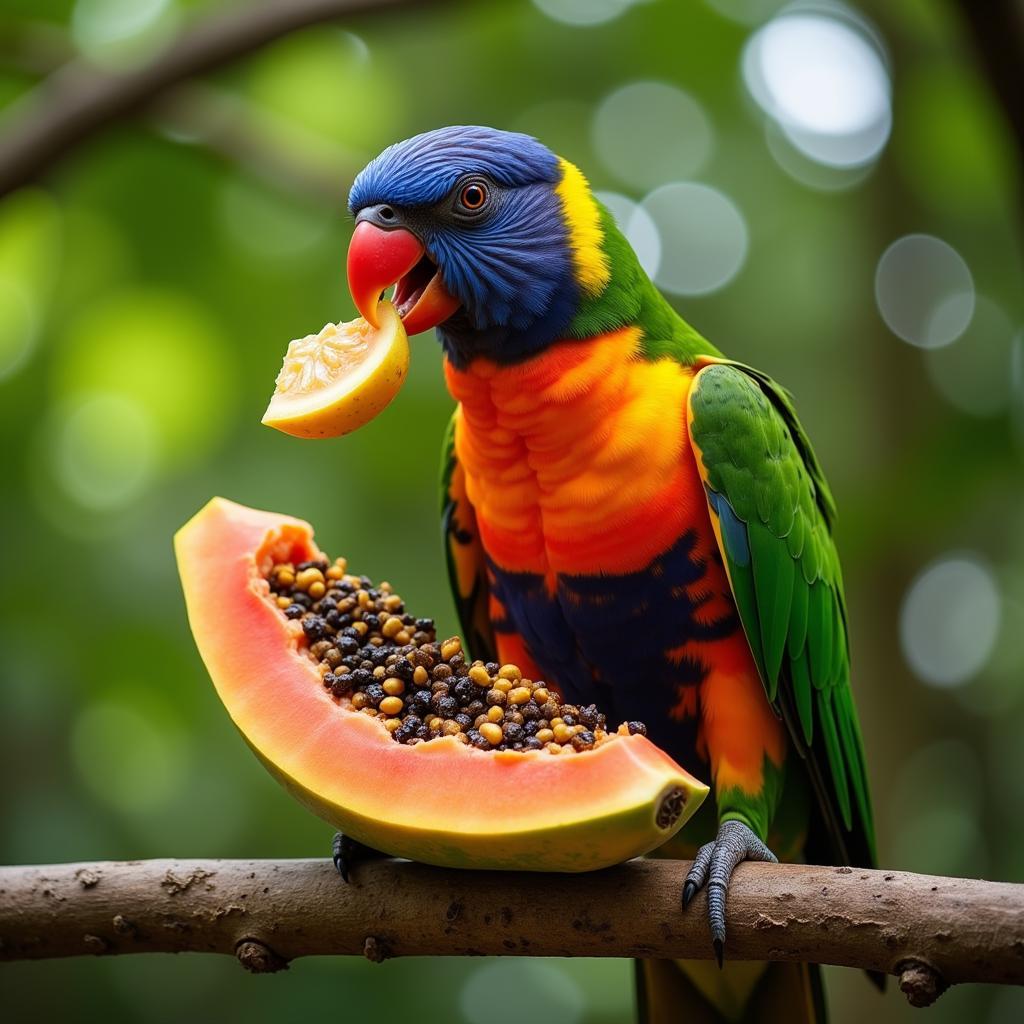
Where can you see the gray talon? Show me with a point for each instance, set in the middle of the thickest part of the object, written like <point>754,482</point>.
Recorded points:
<point>713,866</point>
<point>689,891</point>
<point>338,852</point>
<point>346,852</point>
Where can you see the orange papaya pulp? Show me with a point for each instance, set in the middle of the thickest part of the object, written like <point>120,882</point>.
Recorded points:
<point>440,802</point>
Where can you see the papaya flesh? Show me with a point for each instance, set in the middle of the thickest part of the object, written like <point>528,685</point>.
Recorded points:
<point>339,379</point>
<point>443,800</point>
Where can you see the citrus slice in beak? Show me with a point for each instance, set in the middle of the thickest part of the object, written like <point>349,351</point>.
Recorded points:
<point>336,381</point>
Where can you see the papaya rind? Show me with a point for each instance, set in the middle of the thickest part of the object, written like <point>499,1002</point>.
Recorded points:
<point>440,802</point>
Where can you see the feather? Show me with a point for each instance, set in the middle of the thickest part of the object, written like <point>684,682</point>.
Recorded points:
<point>773,571</point>
<point>760,473</point>
<point>826,716</point>
<point>803,694</point>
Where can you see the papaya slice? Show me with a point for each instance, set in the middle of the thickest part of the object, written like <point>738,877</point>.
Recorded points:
<point>334,382</point>
<point>329,737</point>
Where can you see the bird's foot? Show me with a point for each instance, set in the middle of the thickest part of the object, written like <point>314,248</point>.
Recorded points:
<point>347,852</point>
<point>713,866</point>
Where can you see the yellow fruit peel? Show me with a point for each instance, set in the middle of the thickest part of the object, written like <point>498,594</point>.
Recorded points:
<point>339,379</point>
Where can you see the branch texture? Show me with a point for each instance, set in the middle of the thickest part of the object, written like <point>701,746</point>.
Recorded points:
<point>931,932</point>
<point>78,100</point>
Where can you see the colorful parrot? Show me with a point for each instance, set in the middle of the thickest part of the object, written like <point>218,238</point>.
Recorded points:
<point>631,516</point>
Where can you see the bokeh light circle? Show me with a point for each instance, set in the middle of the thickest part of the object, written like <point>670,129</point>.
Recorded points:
<point>810,173</point>
<point>648,133</point>
<point>825,83</point>
<point>583,12</point>
<point>293,90</point>
<point>161,350</point>
<point>122,33</point>
<point>268,224</point>
<point>924,290</point>
<point>949,620</point>
<point>636,224</point>
<point>941,840</point>
<point>128,759</point>
<point>703,237</point>
<point>32,229</point>
<point>493,993</point>
<point>933,810</point>
<point>746,12</point>
<point>105,450</point>
<point>976,372</point>
<point>19,325</point>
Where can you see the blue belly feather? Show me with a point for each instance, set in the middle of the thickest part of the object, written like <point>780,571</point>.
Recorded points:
<point>604,638</point>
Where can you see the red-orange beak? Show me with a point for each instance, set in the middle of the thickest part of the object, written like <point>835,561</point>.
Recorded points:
<point>379,258</point>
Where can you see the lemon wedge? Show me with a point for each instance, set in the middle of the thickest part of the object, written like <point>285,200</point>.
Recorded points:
<point>336,381</point>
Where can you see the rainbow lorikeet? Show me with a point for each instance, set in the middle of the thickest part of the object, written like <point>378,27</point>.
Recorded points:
<point>629,515</point>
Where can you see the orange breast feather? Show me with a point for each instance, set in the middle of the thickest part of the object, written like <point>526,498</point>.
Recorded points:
<point>578,461</point>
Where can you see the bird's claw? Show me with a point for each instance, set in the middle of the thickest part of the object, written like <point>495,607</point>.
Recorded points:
<point>689,891</point>
<point>713,867</point>
<point>346,852</point>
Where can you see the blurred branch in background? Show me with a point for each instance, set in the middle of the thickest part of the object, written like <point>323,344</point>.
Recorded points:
<point>224,122</point>
<point>998,30</point>
<point>78,99</point>
<point>931,932</point>
<point>229,125</point>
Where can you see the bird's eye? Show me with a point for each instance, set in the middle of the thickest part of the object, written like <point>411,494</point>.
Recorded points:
<point>473,196</point>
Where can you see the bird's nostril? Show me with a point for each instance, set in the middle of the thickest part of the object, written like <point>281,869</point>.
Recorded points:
<point>384,215</point>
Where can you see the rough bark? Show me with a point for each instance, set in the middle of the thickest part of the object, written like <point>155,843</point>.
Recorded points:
<point>76,101</point>
<point>929,931</point>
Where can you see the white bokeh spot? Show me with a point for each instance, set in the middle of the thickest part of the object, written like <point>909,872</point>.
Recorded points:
<point>648,133</point>
<point>105,450</point>
<point>583,12</point>
<point>703,237</point>
<point>976,373</point>
<point>636,224</point>
<point>924,290</point>
<point>825,83</point>
<point>950,620</point>
<point>122,33</point>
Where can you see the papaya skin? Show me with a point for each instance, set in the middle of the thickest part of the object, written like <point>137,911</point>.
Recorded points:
<point>439,802</point>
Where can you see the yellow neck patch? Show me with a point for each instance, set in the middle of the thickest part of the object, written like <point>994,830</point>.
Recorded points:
<point>585,232</point>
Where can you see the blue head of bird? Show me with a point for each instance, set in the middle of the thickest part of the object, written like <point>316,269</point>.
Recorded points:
<point>487,236</point>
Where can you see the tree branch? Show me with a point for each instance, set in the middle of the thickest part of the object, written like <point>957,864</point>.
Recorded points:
<point>997,28</point>
<point>76,101</point>
<point>239,132</point>
<point>931,932</point>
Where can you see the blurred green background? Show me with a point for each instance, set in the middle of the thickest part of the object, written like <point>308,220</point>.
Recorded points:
<point>829,192</point>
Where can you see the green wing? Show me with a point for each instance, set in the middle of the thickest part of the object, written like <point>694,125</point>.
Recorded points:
<point>774,513</point>
<point>467,567</point>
